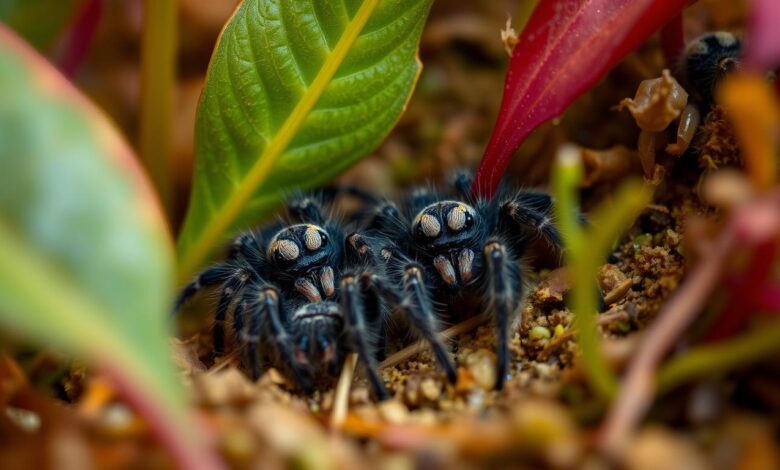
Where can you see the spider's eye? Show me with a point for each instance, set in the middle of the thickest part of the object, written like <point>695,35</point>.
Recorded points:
<point>428,226</point>
<point>312,238</point>
<point>324,238</point>
<point>285,250</point>
<point>459,218</point>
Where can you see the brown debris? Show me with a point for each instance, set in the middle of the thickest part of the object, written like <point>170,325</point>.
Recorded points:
<point>716,145</point>
<point>658,102</point>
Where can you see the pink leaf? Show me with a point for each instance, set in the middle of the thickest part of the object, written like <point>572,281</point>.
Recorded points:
<point>567,46</point>
<point>763,35</point>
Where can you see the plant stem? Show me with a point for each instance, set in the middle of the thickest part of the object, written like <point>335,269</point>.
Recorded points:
<point>719,357</point>
<point>583,260</point>
<point>158,74</point>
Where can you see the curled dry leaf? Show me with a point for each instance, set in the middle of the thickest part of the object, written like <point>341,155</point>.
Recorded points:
<point>509,37</point>
<point>657,103</point>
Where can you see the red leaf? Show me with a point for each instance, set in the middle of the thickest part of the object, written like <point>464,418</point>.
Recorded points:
<point>672,40</point>
<point>567,46</point>
<point>763,35</point>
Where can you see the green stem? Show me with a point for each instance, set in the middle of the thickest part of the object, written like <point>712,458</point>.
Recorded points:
<point>583,265</point>
<point>720,357</point>
<point>158,74</point>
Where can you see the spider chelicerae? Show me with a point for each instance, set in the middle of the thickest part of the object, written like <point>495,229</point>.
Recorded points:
<point>306,291</point>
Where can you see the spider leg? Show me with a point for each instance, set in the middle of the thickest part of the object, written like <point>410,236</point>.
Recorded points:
<point>208,278</point>
<point>533,211</point>
<point>306,209</point>
<point>504,292</point>
<point>358,333</point>
<point>246,246</point>
<point>230,291</point>
<point>418,308</point>
<point>248,340</point>
<point>266,307</point>
<point>462,186</point>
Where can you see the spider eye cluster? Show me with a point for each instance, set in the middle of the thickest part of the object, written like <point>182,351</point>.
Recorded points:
<point>455,215</point>
<point>289,243</point>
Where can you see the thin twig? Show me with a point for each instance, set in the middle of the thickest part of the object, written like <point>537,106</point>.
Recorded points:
<point>416,348</point>
<point>341,398</point>
<point>638,386</point>
<point>603,319</point>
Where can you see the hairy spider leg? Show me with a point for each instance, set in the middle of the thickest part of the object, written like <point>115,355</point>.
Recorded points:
<point>263,310</point>
<point>416,306</point>
<point>504,294</point>
<point>244,249</point>
<point>358,334</point>
<point>207,278</point>
<point>306,209</point>
<point>533,211</point>
<point>231,289</point>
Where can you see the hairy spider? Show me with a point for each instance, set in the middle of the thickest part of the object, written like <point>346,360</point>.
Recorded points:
<point>707,61</point>
<point>440,246</point>
<point>302,297</point>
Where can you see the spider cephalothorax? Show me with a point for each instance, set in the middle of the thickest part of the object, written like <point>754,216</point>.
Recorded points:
<point>442,245</point>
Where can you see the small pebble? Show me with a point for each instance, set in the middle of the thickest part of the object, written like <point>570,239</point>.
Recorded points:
<point>539,332</point>
<point>393,411</point>
<point>482,365</point>
<point>430,389</point>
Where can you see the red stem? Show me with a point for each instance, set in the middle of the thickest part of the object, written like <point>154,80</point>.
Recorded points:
<point>77,40</point>
<point>672,41</point>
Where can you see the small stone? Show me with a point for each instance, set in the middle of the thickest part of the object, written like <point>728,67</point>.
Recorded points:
<point>476,399</point>
<point>25,419</point>
<point>359,396</point>
<point>610,277</point>
<point>482,365</point>
<point>552,289</point>
<point>431,389</point>
<point>393,411</point>
<point>539,332</point>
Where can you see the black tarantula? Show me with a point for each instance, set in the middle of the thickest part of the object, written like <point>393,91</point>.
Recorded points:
<point>301,298</point>
<point>303,294</point>
<point>441,246</point>
<point>708,59</point>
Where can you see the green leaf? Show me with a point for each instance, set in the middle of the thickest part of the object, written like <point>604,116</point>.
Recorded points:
<point>38,21</point>
<point>296,92</point>
<point>86,261</point>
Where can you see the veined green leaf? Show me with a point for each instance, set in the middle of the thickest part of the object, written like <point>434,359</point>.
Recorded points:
<point>38,21</point>
<point>297,91</point>
<point>86,262</point>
